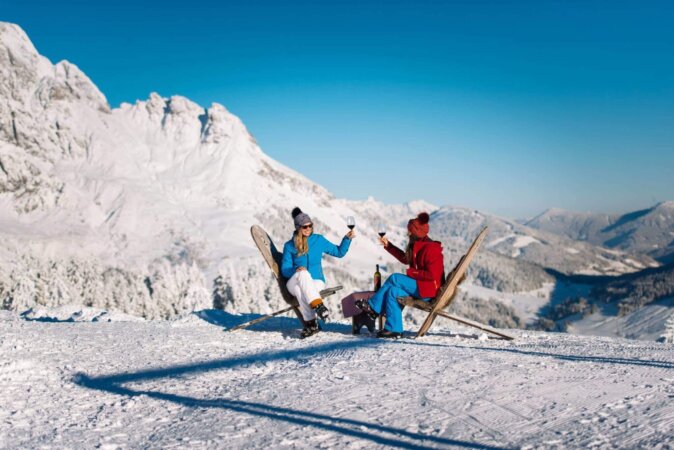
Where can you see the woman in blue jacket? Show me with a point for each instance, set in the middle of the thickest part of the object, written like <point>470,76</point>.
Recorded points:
<point>301,264</point>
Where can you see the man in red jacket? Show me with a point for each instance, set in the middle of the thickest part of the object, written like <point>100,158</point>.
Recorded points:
<point>424,277</point>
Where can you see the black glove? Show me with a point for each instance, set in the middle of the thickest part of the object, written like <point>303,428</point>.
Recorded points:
<point>322,312</point>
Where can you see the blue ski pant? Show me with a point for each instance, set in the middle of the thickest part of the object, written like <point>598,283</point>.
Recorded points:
<point>385,300</point>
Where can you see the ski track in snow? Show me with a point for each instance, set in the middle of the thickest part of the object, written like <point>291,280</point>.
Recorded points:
<point>186,383</point>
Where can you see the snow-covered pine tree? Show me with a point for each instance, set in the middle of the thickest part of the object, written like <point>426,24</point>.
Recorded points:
<point>668,335</point>
<point>222,293</point>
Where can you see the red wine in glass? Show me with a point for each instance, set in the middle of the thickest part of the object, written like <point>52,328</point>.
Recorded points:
<point>350,222</point>
<point>382,230</point>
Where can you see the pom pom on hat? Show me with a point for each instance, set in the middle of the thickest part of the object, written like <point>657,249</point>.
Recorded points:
<point>299,218</point>
<point>419,227</point>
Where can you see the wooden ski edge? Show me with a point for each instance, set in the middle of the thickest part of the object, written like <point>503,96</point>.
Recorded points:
<point>410,301</point>
<point>256,232</point>
<point>461,268</point>
<point>259,319</point>
<point>477,325</point>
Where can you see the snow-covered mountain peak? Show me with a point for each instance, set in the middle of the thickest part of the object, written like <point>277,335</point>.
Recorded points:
<point>27,75</point>
<point>16,44</point>
<point>21,67</point>
<point>558,214</point>
<point>180,118</point>
<point>551,212</point>
<point>220,125</point>
<point>75,85</point>
<point>667,205</point>
<point>417,206</point>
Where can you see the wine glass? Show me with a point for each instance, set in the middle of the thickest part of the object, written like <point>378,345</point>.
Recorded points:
<point>350,222</point>
<point>381,229</point>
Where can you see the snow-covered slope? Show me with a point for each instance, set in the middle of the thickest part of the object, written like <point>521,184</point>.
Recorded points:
<point>581,226</point>
<point>646,323</point>
<point>458,226</point>
<point>186,384</point>
<point>649,231</point>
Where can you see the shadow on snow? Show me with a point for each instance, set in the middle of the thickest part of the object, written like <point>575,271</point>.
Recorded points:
<point>376,433</point>
<point>575,358</point>
<point>289,326</point>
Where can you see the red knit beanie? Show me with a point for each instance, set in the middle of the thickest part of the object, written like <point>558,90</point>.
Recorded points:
<point>419,227</point>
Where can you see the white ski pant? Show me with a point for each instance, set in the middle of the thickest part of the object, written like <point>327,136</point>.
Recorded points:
<point>305,289</point>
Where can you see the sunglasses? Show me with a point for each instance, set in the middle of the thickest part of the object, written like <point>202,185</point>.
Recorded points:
<point>306,227</point>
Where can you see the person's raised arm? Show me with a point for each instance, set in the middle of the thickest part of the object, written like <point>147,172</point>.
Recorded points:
<point>337,251</point>
<point>393,250</point>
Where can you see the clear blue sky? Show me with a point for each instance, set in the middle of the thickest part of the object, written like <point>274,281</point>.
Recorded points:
<point>502,106</point>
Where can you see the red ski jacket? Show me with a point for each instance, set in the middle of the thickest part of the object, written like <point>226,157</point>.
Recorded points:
<point>427,266</point>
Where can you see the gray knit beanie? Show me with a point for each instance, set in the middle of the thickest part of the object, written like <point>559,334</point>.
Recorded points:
<point>300,218</point>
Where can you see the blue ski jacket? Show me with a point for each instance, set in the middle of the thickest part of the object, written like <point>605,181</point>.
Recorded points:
<point>313,258</point>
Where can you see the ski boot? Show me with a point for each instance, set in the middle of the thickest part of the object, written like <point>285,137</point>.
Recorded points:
<point>310,328</point>
<point>386,334</point>
<point>321,310</point>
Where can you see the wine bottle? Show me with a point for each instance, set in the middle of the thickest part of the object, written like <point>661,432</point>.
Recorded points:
<point>377,279</point>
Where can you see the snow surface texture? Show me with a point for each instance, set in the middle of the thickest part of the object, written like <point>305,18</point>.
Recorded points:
<point>145,209</point>
<point>189,384</point>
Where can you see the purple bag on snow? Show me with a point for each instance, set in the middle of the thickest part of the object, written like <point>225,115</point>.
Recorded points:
<point>349,308</point>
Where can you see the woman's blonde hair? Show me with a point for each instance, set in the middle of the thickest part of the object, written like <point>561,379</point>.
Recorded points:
<point>301,243</point>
